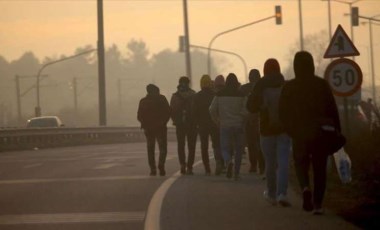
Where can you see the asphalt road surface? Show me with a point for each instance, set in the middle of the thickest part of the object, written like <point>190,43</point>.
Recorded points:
<point>108,187</point>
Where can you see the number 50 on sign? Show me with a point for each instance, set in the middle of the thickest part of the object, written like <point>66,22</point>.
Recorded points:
<point>344,77</point>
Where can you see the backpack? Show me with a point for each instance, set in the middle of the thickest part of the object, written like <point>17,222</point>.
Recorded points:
<point>271,98</point>
<point>183,113</point>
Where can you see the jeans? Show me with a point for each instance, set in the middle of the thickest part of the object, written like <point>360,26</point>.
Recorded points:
<point>306,154</point>
<point>161,136</point>
<point>189,133</point>
<point>276,151</point>
<point>204,133</point>
<point>232,144</point>
<point>256,158</point>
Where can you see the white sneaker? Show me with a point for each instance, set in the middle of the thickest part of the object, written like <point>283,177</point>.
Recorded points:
<point>283,201</point>
<point>270,200</point>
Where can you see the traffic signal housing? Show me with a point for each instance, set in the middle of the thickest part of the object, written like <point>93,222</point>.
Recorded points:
<point>278,15</point>
<point>355,16</point>
<point>182,43</point>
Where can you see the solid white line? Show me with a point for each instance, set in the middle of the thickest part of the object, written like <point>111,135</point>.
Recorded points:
<point>32,165</point>
<point>71,218</point>
<point>152,218</point>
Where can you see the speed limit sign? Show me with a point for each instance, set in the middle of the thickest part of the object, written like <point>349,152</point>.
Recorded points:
<point>344,77</point>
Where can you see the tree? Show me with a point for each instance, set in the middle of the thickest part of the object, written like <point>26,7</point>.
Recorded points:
<point>316,44</point>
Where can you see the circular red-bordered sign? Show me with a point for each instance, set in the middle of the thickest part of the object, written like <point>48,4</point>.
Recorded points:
<point>344,77</point>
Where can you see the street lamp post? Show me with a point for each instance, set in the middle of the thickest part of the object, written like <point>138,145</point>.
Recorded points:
<point>187,41</point>
<point>301,25</point>
<point>38,107</point>
<point>101,67</point>
<point>225,32</point>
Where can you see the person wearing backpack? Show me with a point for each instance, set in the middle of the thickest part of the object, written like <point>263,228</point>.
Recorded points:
<point>275,143</point>
<point>153,114</point>
<point>181,114</point>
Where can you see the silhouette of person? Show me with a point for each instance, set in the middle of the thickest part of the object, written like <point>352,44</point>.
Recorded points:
<point>252,128</point>
<point>153,114</point>
<point>206,127</point>
<point>181,114</point>
<point>304,101</point>
<point>275,143</point>
<point>228,111</point>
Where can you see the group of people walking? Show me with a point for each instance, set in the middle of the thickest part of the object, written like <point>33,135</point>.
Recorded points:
<point>272,117</point>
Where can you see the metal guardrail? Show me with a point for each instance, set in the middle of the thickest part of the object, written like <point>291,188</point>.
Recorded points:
<point>31,138</point>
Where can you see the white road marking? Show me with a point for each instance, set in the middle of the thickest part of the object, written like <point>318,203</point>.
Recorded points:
<point>32,165</point>
<point>152,219</point>
<point>107,166</point>
<point>35,181</point>
<point>71,218</point>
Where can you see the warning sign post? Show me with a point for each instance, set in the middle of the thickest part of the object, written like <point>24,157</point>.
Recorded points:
<point>343,75</point>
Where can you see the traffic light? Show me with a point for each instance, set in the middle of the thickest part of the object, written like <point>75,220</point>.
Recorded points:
<point>182,44</point>
<point>354,16</point>
<point>278,15</point>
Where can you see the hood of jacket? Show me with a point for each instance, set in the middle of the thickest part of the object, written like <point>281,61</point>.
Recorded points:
<point>303,65</point>
<point>185,92</point>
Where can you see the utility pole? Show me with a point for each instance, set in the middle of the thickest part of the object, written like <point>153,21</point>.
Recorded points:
<point>101,68</point>
<point>187,42</point>
<point>301,25</point>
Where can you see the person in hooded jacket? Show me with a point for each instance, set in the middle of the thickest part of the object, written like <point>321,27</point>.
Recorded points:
<point>181,104</point>
<point>219,83</point>
<point>275,143</point>
<point>252,128</point>
<point>304,101</point>
<point>228,111</point>
<point>206,127</point>
<point>153,114</point>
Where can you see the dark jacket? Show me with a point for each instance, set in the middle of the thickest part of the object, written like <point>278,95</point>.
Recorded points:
<point>153,112</point>
<point>181,105</point>
<point>306,102</point>
<point>252,118</point>
<point>201,104</point>
<point>256,100</point>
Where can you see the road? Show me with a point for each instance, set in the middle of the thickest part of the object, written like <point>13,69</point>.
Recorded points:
<point>109,187</point>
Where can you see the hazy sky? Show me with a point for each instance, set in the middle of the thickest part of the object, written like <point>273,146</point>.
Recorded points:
<point>55,27</point>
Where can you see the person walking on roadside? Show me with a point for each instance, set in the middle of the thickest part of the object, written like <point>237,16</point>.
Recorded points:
<point>275,143</point>
<point>206,127</point>
<point>181,114</point>
<point>252,128</point>
<point>219,83</point>
<point>228,111</point>
<point>153,114</point>
<point>304,101</point>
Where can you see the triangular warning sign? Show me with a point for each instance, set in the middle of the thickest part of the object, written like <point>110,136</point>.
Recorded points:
<point>340,45</point>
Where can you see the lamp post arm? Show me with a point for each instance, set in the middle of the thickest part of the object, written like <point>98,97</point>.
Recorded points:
<point>227,52</point>
<point>51,63</point>
<point>228,31</point>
